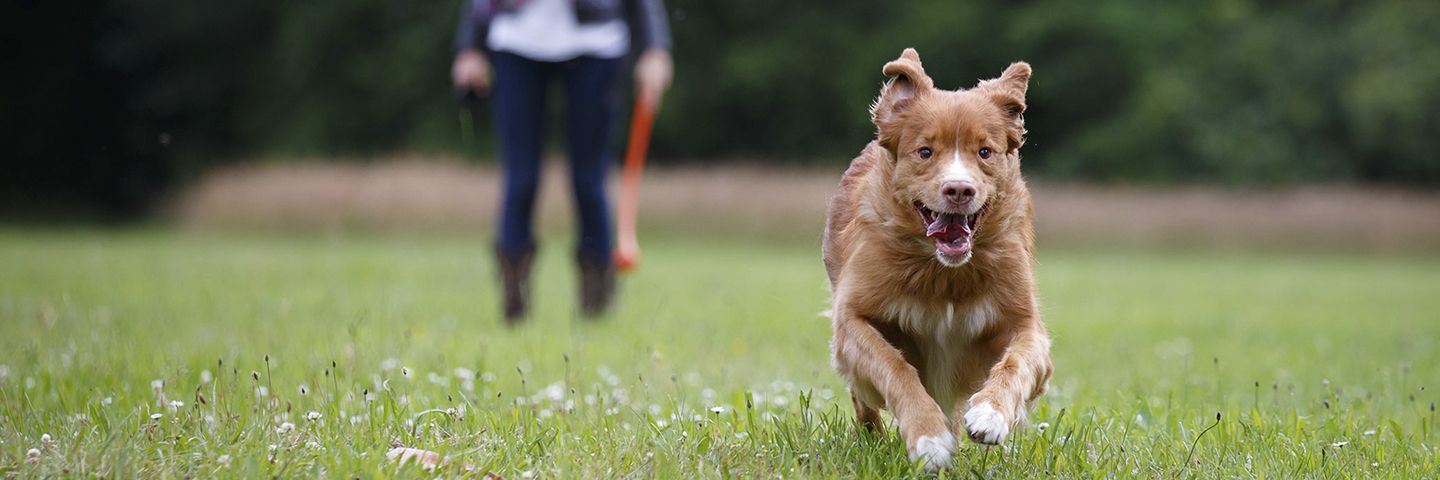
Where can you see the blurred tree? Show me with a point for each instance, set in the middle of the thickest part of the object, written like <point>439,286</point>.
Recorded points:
<point>115,98</point>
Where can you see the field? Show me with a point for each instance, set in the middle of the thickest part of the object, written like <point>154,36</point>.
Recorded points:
<point>160,353</point>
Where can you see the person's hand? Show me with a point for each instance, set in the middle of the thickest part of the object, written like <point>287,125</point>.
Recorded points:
<point>652,75</point>
<point>471,71</point>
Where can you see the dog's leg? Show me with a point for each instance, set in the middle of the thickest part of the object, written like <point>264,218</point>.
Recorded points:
<point>867,417</point>
<point>863,355</point>
<point>1020,376</point>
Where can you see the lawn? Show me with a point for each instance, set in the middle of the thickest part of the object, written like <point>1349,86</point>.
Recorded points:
<point>162,354</point>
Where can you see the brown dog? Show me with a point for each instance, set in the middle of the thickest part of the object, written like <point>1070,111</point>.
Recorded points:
<point>929,250</point>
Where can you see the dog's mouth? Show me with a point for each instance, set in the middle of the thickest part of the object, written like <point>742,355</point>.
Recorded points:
<point>953,233</point>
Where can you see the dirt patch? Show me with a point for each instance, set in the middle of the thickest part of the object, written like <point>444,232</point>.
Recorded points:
<point>427,194</point>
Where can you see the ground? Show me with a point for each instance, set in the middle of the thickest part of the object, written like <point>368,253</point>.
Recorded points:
<point>163,354</point>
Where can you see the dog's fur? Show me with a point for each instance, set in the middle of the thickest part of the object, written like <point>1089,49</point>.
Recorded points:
<point>948,337</point>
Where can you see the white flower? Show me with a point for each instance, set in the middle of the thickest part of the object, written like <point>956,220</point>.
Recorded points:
<point>205,376</point>
<point>464,373</point>
<point>261,391</point>
<point>32,456</point>
<point>223,460</point>
<point>176,404</point>
<point>527,474</point>
<point>285,428</point>
<point>312,415</point>
<point>156,416</point>
<point>717,409</point>
<point>46,440</point>
<point>1370,432</point>
<point>107,400</point>
<point>1042,426</point>
<point>157,384</point>
<point>1340,444</point>
<point>313,445</point>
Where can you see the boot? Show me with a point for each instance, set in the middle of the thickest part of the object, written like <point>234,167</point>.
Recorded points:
<point>597,285</point>
<point>515,282</point>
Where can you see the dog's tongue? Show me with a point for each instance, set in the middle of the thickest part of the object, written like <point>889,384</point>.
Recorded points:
<point>947,228</point>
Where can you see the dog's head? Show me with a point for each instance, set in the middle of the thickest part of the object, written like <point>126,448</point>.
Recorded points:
<point>954,152</point>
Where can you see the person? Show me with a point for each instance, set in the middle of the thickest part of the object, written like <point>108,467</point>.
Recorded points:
<point>583,44</point>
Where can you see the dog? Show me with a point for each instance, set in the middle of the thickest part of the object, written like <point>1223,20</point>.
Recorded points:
<point>929,250</point>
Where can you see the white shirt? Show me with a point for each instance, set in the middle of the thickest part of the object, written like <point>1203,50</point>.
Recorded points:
<point>547,31</point>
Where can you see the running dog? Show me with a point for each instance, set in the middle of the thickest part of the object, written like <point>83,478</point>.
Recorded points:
<point>929,250</point>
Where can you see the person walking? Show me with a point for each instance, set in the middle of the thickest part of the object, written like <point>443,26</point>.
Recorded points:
<point>582,44</point>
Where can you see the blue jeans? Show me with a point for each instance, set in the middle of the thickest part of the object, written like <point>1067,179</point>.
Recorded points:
<point>520,90</point>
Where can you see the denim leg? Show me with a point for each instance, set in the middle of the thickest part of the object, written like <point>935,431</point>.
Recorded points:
<point>519,113</point>
<point>590,105</point>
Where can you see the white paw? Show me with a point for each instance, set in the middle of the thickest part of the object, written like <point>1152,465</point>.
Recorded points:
<point>935,450</point>
<point>986,425</point>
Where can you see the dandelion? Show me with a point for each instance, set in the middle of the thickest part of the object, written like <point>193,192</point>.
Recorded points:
<point>286,427</point>
<point>32,456</point>
<point>1042,426</point>
<point>312,415</point>
<point>156,416</point>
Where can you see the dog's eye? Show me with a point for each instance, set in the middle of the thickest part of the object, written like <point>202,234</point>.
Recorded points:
<point>924,152</point>
<point>984,153</point>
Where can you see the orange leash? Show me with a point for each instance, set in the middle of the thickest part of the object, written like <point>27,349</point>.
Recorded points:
<point>627,248</point>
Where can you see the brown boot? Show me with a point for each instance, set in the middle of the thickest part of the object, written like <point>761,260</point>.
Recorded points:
<point>515,282</point>
<point>597,285</point>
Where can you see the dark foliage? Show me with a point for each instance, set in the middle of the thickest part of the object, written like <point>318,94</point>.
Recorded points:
<point>108,102</point>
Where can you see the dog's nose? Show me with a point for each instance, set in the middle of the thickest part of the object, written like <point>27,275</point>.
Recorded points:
<point>958,193</point>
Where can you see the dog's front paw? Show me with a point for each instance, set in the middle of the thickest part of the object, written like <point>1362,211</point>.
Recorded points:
<point>936,450</point>
<point>986,424</point>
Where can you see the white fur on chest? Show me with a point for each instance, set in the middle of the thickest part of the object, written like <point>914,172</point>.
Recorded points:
<point>942,331</point>
<point>943,322</point>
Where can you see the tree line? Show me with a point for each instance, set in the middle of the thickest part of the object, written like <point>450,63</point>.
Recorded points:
<point>110,101</point>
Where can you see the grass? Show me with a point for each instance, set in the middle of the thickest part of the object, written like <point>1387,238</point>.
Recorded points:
<point>160,354</point>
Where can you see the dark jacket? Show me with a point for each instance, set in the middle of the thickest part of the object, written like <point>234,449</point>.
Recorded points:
<point>646,19</point>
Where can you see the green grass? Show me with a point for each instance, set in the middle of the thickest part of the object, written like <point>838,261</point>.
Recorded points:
<point>99,331</point>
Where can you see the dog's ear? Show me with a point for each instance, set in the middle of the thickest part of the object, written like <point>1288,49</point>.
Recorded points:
<point>907,81</point>
<point>1008,93</point>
